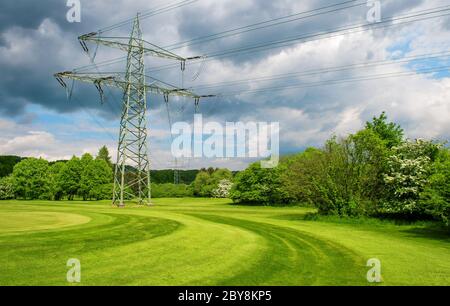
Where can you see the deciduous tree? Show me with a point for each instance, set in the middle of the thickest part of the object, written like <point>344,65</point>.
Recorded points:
<point>261,186</point>
<point>103,154</point>
<point>390,132</point>
<point>70,177</point>
<point>31,178</point>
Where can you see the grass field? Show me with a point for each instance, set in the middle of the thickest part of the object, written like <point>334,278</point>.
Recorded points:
<point>209,242</point>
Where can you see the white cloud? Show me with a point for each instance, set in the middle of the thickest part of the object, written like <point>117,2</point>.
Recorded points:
<point>33,143</point>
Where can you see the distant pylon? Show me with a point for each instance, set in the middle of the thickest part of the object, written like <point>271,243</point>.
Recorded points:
<point>176,173</point>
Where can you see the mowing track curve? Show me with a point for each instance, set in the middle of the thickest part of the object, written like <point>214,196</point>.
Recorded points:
<point>294,257</point>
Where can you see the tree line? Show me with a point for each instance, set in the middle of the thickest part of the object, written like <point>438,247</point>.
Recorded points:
<point>164,176</point>
<point>208,183</point>
<point>90,178</point>
<point>7,164</point>
<point>374,172</point>
<point>87,178</point>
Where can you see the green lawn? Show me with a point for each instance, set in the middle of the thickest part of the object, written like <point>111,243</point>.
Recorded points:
<point>209,242</point>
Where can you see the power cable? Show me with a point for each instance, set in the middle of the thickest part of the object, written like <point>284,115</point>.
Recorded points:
<point>149,13</point>
<point>326,70</point>
<point>340,81</point>
<point>264,24</point>
<point>385,23</point>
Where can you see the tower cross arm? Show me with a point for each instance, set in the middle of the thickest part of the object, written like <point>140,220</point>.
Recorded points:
<point>123,43</point>
<point>115,80</point>
<point>105,79</point>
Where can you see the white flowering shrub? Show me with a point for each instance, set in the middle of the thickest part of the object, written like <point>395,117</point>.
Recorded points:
<point>407,175</point>
<point>223,189</point>
<point>6,188</point>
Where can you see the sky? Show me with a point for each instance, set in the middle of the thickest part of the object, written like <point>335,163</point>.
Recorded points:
<point>298,84</point>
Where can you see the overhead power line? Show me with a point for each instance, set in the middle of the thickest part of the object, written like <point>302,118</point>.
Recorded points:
<point>408,59</point>
<point>365,28</point>
<point>269,23</point>
<point>352,29</point>
<point>385,23</point>
<point>149,13</point>
<point>252,27</point>
<point>143,15</point>
<point>339,81</point>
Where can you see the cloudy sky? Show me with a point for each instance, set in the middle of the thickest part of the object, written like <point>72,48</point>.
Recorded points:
<point>321,71</point>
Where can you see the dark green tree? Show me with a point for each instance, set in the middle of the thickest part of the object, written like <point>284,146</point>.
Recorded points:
<point>390,132</point>
<point>101,180</point>
<point>94,175</point>
<point>201,185</point>
<point>31,179</point>
<point>87,175</point>
<point>435,198</point>
<point>259,186</point>
<point>102,192</point>
<point>70,177</point>
<point>56,189</point>
<point>103,154</point>
<point>7,164</point>
<point>170,190</point>
<point>221,174</point>
<point>207,181</point>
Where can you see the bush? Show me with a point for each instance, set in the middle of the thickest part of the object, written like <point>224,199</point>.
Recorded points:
<point>344,178</point>
<point>435,199</point>
<point>260,186</point>
<point>170,190</point>
<point>6,188</point>
<point>101,192</point>
<point>201,185</point>
<point>334,189</point>
<point>207,181</point>
<point>407,175</point>
<point>298,177</point>
<point>223,189</point>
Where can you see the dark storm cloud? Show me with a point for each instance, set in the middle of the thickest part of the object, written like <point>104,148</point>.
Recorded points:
<point>30,14</point>
<point>195,23</point>
<point>31,81</point>
<point>12,106</point>
<point>27,73</point>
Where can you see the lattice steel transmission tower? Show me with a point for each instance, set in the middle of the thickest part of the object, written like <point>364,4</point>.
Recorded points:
<point>132,169</point>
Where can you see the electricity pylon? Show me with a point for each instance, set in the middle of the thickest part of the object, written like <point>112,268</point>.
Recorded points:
<point>132,149</point>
